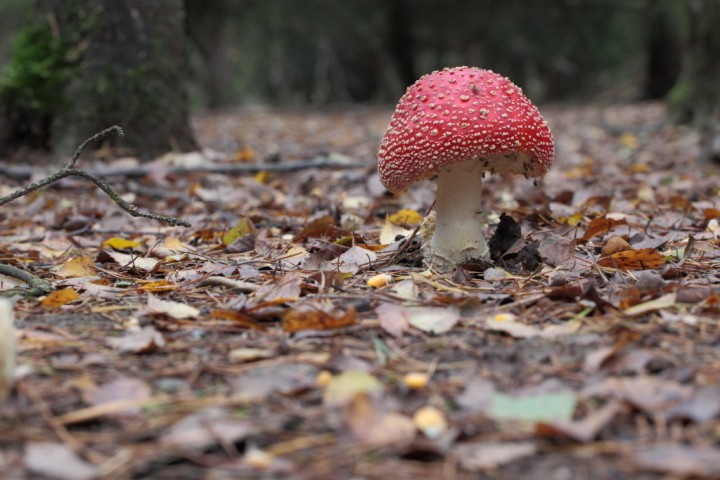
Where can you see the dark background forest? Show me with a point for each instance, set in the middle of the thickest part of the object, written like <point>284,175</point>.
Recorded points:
<point>325,52</point>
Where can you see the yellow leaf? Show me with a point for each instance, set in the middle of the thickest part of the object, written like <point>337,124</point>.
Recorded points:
<point>173,243</point>
<point>120,243</point>
<point>245,154</point>
<point>406,216</point>
<point>629,140</point>
<point>244,227</point>
<point>58,298</point>
<point>159,286</point>
<point>262,177</point>
<point>574,219</point>
<point>343,388</point>
<point>76,267</point>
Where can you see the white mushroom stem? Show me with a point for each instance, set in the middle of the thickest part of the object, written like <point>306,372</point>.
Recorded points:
<point>458,228</point>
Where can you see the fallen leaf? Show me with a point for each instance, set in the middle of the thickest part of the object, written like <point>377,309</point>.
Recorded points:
<point>243,228</point>
<point>159,286</point>
<point>545,407</point>
<point>343,388</point>
<point>205,428</point>
<point>58,298</point>
<point>304,318</point>
<point>477,457</point>
<point>76,267</point>
<point>433,319</point>
<point>650,394</point>
<point>129,261</point>
<point>660,303</point>
<point>391,233</point>
<point>120,243</point>
<point>248,354</point>
<point>377,428</point>
<point>260,382</point>
<point>238,318</point>
<point>352,261</point>
<point>615,245</point>
<point>702,406</point>
<point>175,310</point>
<point>146,340</point>
<point>58,461</point>
<point>679,460</point>
<point>643,259</point>
<point>405,217</point>
<point>124,388</point>
<point>600,225</point>
<point>393,318</point>
<point>584,429</point>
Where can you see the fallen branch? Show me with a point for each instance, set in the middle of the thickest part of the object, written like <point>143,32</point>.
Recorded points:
<point>38,286</point>
<point>70,170</point>
<point>23,173</point>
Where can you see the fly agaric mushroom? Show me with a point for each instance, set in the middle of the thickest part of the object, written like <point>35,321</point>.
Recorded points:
<point>458,123</point>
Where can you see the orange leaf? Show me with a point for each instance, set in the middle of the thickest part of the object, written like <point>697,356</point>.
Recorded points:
<point>600,225</point>
<point>239,318</point>
<point>710,213</point>
<point>643,259</point>
<point>159,286</point>
<point>58,298</point>
<point>312,319</point>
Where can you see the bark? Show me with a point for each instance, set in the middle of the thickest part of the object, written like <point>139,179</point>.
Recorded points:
<point>696,97</point>
<point>123,64</point>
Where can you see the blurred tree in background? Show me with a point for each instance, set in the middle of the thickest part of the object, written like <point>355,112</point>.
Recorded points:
<point>84,65</point>
<point>326,52</point>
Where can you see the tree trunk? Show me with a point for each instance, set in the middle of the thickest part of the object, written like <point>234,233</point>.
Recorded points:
<point>122,62</point>
<point>696,96</point>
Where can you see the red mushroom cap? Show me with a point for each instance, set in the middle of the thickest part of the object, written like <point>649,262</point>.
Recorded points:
<point>459,114</point>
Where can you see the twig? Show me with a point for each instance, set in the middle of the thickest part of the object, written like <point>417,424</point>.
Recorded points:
<point>38,286</point>
<point>70,170</point>
<point>23,173</point>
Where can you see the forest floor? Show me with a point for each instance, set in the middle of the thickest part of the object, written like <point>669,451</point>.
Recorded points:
<point>293,332</point>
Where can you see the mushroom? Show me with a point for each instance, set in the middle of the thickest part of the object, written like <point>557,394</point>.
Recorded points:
<point>458,123</point>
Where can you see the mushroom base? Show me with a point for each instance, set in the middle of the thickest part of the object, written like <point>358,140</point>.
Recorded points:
<point>458,233</point>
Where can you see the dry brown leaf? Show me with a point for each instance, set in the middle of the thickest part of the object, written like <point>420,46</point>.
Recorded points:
<point>600,225</point>
<point>304,318</point>
<point>238,318</point>
<point>643,259</point>
<point>76,267</point>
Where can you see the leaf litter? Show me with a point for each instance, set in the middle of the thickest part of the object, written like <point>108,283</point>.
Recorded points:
<point>295,331</point>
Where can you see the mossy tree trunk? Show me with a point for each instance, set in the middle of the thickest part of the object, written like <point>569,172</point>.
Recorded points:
<point>122,63</point>
<point>696,96</point>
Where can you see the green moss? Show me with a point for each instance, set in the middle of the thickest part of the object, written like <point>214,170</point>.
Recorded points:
<point>37,73</point>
